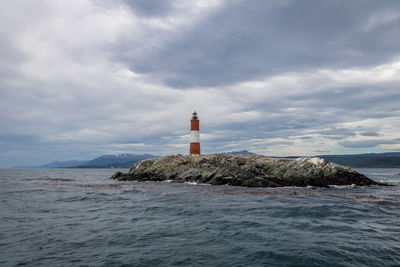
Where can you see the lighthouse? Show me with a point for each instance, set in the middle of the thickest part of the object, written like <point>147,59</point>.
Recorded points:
<point>194,134</point>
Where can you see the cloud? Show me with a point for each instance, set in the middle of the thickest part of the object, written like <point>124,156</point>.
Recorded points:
<point>151,8</point>
<point>322,151</point>
<point>85,78</point>
<point>336,133</point>
<point>367,143</point>
<point>369,134</point>
<point>243,41</point>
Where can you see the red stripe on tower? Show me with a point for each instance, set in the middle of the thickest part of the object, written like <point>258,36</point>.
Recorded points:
<point>194,134</point>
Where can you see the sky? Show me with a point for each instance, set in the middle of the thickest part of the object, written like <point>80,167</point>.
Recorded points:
<point>82,78</point>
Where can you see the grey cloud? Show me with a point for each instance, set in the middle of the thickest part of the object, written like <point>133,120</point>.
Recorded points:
<point>321,151</point>
<point>11,59</point>
<point>367,143</point>
<point>370,134</point>
<point>243,41</point>
<point>344,102</point>
<point>151,8</point>
<point>336,133</point>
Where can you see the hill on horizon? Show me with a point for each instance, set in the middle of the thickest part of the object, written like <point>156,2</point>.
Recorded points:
<point>112,161</point>
<point>104,161</point>
<point>369,160</point>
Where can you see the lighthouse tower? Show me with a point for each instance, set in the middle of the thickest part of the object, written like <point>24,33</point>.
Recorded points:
<point>194,134</point>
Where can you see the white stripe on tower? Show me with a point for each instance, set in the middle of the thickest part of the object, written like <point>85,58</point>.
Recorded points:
<point>194,137</point>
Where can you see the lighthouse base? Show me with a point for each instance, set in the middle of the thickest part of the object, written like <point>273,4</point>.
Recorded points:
<point>194,148</point>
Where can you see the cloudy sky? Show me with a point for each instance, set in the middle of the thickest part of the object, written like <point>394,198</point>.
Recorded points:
<point>83,78</point>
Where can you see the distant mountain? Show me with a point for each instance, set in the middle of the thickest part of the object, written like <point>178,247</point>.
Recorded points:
<point>64,164</point>
<point>242,152</point>
<point>112,161</point>
<point>54,164</point>
<point>105,161</point>
<point>372,160</point>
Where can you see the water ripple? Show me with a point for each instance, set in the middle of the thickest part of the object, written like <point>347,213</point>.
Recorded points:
<point>73,217</point>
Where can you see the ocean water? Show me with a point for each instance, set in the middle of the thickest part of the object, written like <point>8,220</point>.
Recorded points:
<point>79,217</point>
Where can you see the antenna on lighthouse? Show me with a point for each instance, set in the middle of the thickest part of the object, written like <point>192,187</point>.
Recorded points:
<point>194,134</point>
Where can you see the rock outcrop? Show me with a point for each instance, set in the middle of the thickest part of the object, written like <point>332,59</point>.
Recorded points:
<point>244,170</point>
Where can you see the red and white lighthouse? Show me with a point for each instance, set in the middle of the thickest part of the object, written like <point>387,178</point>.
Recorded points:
<point>194,134</point>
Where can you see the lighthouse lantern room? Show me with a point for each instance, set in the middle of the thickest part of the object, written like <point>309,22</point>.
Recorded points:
<point>194,134</point>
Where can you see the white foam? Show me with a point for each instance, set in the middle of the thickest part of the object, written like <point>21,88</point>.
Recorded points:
<point>316,161</point>
<point>191,183</point>
<point>342,186</point>
<point>194,183</point>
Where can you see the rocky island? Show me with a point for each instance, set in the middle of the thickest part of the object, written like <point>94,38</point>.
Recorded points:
<point>244,170</point>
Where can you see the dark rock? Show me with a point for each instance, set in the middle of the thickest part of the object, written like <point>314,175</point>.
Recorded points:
<point>245,170</point>
<point>121,176</point>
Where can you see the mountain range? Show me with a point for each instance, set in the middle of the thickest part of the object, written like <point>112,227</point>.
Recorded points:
<point>105,161</point>
<point>371,160</point>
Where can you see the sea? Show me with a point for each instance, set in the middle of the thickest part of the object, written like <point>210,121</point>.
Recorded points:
<point>79,217</point>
